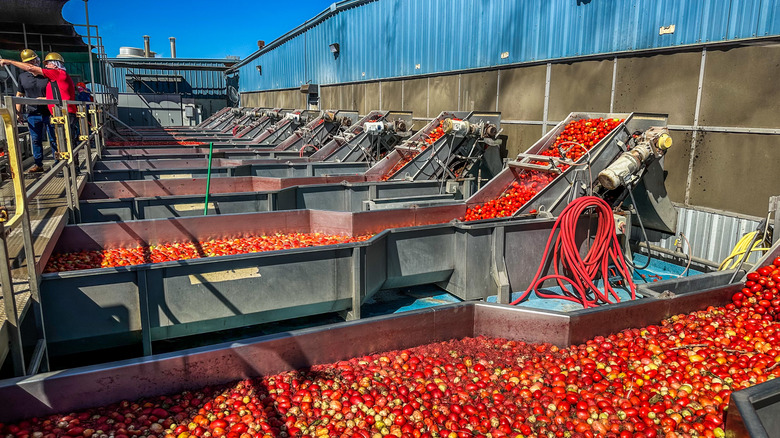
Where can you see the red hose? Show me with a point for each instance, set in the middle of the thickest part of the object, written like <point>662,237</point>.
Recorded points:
<point>581,272</point>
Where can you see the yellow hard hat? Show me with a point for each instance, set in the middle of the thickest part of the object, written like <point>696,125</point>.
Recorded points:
<point>28,55</point>
<point>54,56</point>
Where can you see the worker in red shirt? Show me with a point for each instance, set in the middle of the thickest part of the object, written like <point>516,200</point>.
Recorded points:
<point>60,85</point>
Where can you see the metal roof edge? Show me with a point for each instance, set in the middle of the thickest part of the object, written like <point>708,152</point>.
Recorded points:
<point>334,9</point>
<point>169,60</point>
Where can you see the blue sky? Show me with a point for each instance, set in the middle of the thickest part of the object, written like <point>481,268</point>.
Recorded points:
<point>203,29</point>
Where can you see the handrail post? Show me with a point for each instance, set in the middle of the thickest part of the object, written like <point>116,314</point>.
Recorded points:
<point>97,127</point>
<point>62,135</point>
<point>81,115</point>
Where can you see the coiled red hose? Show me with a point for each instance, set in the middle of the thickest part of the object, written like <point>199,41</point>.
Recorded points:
<point>582,272</point>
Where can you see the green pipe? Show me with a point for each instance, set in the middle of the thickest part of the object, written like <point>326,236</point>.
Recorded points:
<point>208,181</point>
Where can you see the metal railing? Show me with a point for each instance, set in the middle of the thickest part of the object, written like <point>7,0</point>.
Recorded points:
<point>86,135</point>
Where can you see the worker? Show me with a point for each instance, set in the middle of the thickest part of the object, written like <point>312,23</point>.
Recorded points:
<point>34,86</point>
<point>60,85</point>
<point>82,93</point>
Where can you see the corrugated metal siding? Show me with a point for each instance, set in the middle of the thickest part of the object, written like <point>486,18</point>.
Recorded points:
<point>389,38</point>
<point>712,235</point>
<point>205,83</point>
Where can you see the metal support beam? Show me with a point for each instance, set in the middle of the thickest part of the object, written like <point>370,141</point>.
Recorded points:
<point>546,97</point>
<point>694,136</point>
<point>614,83</point>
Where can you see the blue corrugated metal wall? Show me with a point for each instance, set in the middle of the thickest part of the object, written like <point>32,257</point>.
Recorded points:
<point>395,38</point>
<point>203,83</point>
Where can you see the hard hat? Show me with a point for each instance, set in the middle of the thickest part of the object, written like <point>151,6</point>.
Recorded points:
<point>82,85</point>
<point>28,55</point>
<point>54,56</point>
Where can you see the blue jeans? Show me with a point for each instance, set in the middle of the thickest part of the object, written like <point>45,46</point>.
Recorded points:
<point>37,125</point>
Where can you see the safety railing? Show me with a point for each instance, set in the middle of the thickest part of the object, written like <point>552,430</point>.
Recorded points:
<point>75,133</point>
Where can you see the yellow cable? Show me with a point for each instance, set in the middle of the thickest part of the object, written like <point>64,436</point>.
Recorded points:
<point>741,248</point>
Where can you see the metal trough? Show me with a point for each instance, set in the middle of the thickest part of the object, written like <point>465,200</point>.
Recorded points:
<point>133,200</point>
<point>179,298</point>
<point>221,167</point>
<point>71,390</point>
<point>755,411</point>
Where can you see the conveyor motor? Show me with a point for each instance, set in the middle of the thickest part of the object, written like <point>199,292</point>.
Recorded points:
<point>296,118</point>
<point>462,128</point>
<point>651,144</point>
<point>384,126</point>
<point>331,117</point>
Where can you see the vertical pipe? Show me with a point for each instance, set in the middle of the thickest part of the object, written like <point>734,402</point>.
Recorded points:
<point>89,49</point>
<point>42,49</point>
<point>208,181</point>
<point>147,48</point>
<point>101,59</point>
<point>173,46</point>
<point>24,32</point>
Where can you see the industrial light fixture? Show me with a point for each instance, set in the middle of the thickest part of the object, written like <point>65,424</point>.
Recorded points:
<point>334,49</point>
<point>259,69</point>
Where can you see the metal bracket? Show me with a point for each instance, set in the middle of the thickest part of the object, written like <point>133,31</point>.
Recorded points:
<point>83,137</point>
<point>81,114</point>
<point>57,120</point>
<point>92,111</point>
<point>63,155</point>
<point>4,215</point>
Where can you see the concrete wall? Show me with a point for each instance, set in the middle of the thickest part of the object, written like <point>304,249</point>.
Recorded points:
<point>705,168</point>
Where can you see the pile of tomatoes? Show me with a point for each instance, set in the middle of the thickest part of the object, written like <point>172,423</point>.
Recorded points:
<point>110,258</point>
<point>526,185</point>
<point>574,141</point>
<point>406,157</point>
<point>429,139</point>
<point>670,379</point>
<point>579,136</point>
